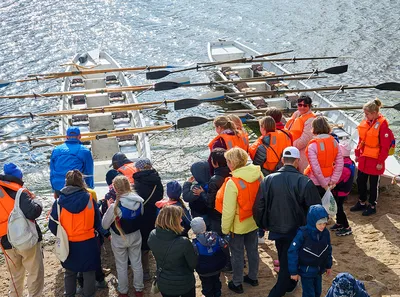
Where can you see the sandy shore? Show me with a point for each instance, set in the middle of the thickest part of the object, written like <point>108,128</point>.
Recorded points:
<point>372,254</point>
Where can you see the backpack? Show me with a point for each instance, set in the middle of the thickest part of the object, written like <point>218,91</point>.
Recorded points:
<point>62,243</point>
<point>392,142</point>
<point>21,232</point>
<point>129,214</point>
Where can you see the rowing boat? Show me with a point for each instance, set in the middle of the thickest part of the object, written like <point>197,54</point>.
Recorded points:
<point>345,125</point>
<point>133,146</point>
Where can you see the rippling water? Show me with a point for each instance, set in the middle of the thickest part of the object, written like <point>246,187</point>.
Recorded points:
<point>38,36</point>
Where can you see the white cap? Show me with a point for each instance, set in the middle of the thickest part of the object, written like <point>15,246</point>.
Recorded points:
<point>291,152</point>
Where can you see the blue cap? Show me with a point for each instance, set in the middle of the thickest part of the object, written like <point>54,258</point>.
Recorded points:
<point>73,131</point>
<point>174,190</point>
<point>12,169</point>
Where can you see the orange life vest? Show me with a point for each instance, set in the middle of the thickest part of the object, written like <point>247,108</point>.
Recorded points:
<point>279,140</point>
<point>247,193</point>
<point>230,141</point>
<point>79,226</point>
<point>369,136</point>
<point>327,151</point>
<point>6,204</point>
<point>296,125</point>
<point>128,170</point>
<point>245,137</point>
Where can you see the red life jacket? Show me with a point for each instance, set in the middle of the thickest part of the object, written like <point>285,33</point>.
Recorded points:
<point>128,170</point>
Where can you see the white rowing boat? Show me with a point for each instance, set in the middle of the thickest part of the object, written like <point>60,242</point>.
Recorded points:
<point>223,50</point>
<point>133,146</point>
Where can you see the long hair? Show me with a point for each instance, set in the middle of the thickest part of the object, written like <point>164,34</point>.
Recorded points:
<point>225,123</point>
<point>236,120</point>
<point>169,218</point>
<point>121,186</point>
<point>75,178</point>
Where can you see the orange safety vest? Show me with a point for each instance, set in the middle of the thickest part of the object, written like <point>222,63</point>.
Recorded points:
<point>279,140</point>
<point>128,170</point>
<point>296,125</point>
<point>245,137</point>
<point>6,204</point>
<point>79,226</point>
<point>327,151</point>
<point>247,193</point>
<point>230,141</point>
<point>369,136</point>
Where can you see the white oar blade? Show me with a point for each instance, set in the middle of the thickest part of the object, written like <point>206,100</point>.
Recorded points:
<point>212,96</point>
<point>181,80</point>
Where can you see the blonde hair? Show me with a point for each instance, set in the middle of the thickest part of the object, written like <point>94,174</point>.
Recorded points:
<point>321,126</point>
<point>225,123</point>
<point>121,186</point>
<point>236,120</point>
<point>237,157</point>
<point>169,218</point>
<point>268,123</point>
<point>373,105</point>
<point>75,178</point>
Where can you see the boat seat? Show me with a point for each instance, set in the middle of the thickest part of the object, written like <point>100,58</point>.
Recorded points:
<point>76,82</point>
<point>95,83</point>
<point>78,118</point>
<point>227,53</point>
<point>111,79</point>
<point>77,100</point>
<point>259,86</point>
<point>96,100</point>
<point>104,148</point>
<point>98,122</point>
<point>116,96</point>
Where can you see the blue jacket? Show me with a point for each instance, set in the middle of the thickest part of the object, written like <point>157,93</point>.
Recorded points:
<point>69,156</point>
<point>84,255</point>
<point>345,285</point>
<point>319,240</point>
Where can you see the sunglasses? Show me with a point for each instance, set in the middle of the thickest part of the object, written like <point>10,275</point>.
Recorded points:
<point>302,105</point>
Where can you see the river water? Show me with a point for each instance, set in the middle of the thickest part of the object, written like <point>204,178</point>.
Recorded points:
<point>38,36</point>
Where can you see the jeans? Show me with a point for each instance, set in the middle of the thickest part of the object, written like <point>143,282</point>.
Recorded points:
<point>191,293</point>
<point>312,286</point>
<point>211,285</point>
<point>237,244</point>
<point>362,179</point>
<point>70,283</point>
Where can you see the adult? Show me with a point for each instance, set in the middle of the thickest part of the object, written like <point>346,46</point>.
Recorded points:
<point>281,208</point>
<point>300,127</point>
<point>375,139</point>
<point>148,186</point>
<point>80,217</point>
<point>239,194</point>
<point>30,260</point>
<point>70,155</point>
<point>175,256</point>
<point>324,157</point>
<point>266,152</point>
<point>123,165</point>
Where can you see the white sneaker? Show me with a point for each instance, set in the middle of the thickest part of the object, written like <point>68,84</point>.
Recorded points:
<point>261,240</point>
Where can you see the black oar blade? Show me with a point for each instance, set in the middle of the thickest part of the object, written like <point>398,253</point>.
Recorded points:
<point>389,86</point>
<point>157,74</point>
<point>186,103</point>
<point>336,69</point>
<point>191,122</point>
<point>397,106</point>
<point>166,85</point>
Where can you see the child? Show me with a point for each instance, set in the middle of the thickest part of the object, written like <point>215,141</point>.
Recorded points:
<point>174,191</point>
<point>209,247</point>
<point>345,285</point>
<point>342,190</point>
<point>310,254</point>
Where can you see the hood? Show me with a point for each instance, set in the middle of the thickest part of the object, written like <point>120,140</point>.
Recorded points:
<point>201,172</point>
<point>315,213</point>
<point>207,239</point>
<point>11,178</point>
<point>147,177</point>
<point>347,160</point>
<point>322,136</point>
<point>249,173</point>
<point>131,200</point>
<point>227,131</point>
<point>345,285</point>
<point>166,201</point>
<point>73,199</point>
<point>222,171</point>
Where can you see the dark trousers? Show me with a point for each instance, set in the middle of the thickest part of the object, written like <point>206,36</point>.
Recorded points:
<point>261,232</point>
<point>191,293</point>
<point>341,217</point>
<point>312,286</point>
<point>211,285</point>
<point>70,283</point>
<point>99,276</point>
<point>284,283</point>
<point>362,179</point>
<point>321,191</point>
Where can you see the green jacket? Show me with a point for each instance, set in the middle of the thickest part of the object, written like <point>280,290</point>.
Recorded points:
<point>177,275</point>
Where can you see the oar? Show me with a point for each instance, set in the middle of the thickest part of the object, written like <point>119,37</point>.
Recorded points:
<point>163,73</point>
<point>294,59</point>
<point>332,70</point>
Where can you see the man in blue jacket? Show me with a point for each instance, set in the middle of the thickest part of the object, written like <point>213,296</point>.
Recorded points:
<point>70,155</point>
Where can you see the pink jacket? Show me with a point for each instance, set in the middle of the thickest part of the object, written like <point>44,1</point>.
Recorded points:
<point>346,174</point>
<point>302,142</point>
<point>316,174</point>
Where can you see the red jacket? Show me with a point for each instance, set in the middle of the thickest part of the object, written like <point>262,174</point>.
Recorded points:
<point>367,164</point>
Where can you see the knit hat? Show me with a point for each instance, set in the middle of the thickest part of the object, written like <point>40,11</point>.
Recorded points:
<point>174,190</point>
<point>322,221</point>
<point>345,148</point>
<point>73,131</point>
<point>111,174</point>
<point>198,226</point>
<point>143,163</point>
<point>12,169</point>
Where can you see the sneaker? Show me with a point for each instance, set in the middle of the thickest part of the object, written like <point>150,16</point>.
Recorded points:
<point>369,211</point>
<point>276,269</point>
<point>276,263</point>
<point>261,240</point>
<point>139,294</point>
<point>292,290</point>
<point>344,232</point>
<point>101,285</point>
<point>248,280</point>
<point>236,289</point>
<point>358,206</point>
<point>336,227</point>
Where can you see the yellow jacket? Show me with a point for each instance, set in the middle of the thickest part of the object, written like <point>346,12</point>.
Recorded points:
<point>230,212</point>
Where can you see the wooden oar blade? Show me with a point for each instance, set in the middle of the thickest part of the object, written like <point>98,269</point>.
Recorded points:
<point>336,69</point>
<point>389,86</point>
<point>191,122</point>
<point>186,103</point>
<point>157,74</point>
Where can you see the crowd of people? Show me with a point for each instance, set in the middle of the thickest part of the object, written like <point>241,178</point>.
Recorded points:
<point>227,203</point>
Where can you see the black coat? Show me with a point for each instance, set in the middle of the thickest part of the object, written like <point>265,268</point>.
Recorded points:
<point>144,184</point>
<point>283,201</point>
<point>214,185</point>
